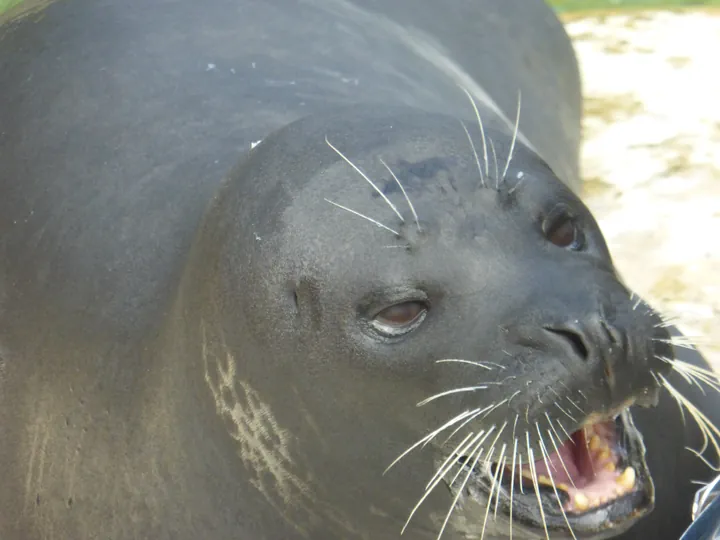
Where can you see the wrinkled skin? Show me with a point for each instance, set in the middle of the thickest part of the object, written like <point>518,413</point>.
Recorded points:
<point>185,357</point>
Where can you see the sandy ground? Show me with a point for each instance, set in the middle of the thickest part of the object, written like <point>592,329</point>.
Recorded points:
<point>651,157</point>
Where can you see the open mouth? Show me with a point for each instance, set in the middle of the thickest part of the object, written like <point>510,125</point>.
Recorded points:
<point>589,470</point>
<point>595,480</point>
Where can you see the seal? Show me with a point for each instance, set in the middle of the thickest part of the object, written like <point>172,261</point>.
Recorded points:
<point>320,270</point>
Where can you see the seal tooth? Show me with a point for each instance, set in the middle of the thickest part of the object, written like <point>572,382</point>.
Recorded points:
<point>564,487</point>
<point>545,480</point>
<point>627,479</point>
<point>604,454</point>
<point>610,467</point>
<point>595,443</point>
<point>581,501</point>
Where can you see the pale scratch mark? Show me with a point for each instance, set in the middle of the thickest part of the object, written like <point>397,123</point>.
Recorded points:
<point>31,467</point>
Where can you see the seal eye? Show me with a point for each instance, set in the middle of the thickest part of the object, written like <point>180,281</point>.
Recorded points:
<point>400,318</point>
<point>562,229</point>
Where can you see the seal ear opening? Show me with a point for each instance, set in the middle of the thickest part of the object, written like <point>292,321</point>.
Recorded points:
<point>305,301</point>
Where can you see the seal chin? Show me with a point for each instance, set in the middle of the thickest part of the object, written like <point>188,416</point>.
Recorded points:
<point>596,483</point>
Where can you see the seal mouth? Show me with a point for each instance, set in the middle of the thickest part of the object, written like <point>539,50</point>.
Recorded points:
<point>594,480</point>
<point>589,470</point>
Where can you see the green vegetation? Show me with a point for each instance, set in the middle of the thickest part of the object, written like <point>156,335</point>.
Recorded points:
<point>7,4</point>
<point>563,6</point>
<point>566,6</point>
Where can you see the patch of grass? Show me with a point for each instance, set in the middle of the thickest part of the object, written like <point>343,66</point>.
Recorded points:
<point>7,4</point>
<point>565,6</point>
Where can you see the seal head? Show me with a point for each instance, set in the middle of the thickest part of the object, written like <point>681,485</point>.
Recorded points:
<point>440,302</point>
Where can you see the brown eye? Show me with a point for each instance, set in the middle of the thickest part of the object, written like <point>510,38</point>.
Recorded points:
<point>400,318</point>
<point>563,231</point>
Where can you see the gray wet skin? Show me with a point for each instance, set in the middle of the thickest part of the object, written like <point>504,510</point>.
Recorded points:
<point>190,353</point>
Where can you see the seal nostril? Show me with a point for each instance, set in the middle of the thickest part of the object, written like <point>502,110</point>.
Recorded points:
<point>577,342</point>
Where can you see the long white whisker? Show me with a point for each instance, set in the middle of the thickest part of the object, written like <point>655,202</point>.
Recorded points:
<point>482,130</point>
<point>484,434</point>
<point>365,176</point>
<point>462,487</point>
<point>485,412</point>
<point>430,436</point>
<point>371,220</point>
<point>710,432</point>
<point>544,453</point>
<point>533,473</point>
<point>477,159</point>
<point>514,136</point>
<point>512,482</point>
<point>565,431</point>
<point>570,416</point>
<point>557,450</point>
<point>439,475</point>
<point>484,365</point>
<point>450,392</point>
<point>497,172</point>
<point>407,199</point>
<point>501,465</point>
<point>490,496</point>
<point>494,479</point>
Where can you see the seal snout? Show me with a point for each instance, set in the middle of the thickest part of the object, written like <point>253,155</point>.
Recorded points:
<point>596,342</point>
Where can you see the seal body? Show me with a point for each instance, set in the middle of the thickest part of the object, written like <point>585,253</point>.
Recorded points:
<point>189,335</point>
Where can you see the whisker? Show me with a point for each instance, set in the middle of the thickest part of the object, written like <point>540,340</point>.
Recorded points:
<point>410,204</point>
<point>512,480</point>
<point>570,416</point>
<point>462,487</point>
<point>484,365</point>
<point>520,468</point>
<point>439,475</point>
<point>371,220</point>
<point>454,391</point>
<point>490,496</point>
<point>501,465</point>
<point>497,173</point>
<point>565,431</point>
<point>487,410</point>
<point>482,130</point>
<point>575,405</point>
<point>361,173</point>
<point>430,436</point>
<point>545,456</point>
<point>533,473</point>
<point>517,185</point>
<point>477,159</point>
<point>710,432</point>
<point>514,135</point>
<point>484,434</point>
<point>679,343</point>
<point>557,450</point>
<point>494,478</point>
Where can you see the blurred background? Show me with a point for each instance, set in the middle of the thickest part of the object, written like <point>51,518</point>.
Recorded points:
<point>651,153</point>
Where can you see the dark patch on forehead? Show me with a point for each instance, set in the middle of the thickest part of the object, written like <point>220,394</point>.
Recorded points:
<point>414,175</point>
